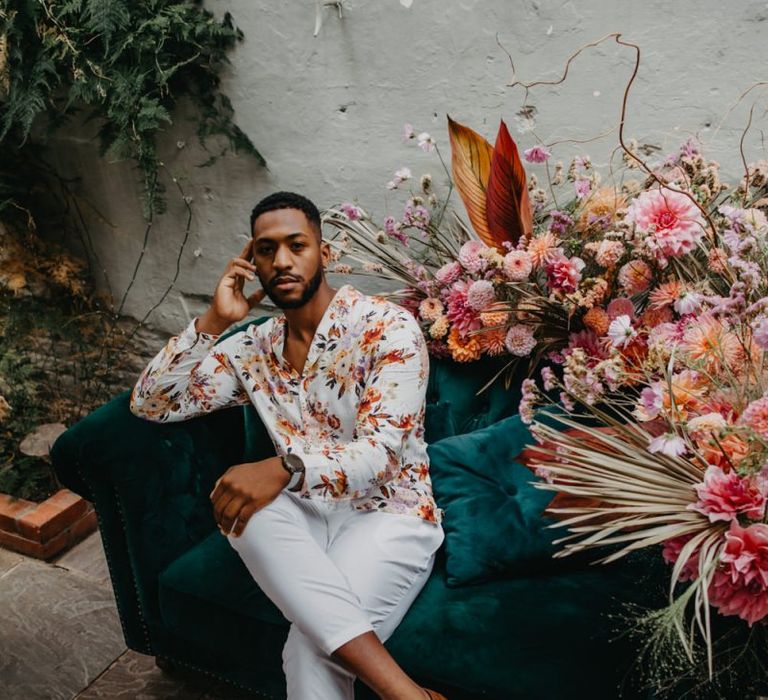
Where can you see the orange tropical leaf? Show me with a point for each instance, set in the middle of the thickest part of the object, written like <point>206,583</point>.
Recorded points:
<point>508,208</point>
<point>471,166</point>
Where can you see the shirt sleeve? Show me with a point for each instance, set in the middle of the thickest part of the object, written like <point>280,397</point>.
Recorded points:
<point>187,378</point>
<point>391,408</point>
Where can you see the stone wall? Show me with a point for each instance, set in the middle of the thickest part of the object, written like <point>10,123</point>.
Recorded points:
<point>327,112</point>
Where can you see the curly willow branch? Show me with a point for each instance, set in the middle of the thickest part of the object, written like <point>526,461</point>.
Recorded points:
<point>616,36</point>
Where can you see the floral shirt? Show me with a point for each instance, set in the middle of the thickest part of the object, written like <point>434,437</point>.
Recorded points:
<point>355,415</point>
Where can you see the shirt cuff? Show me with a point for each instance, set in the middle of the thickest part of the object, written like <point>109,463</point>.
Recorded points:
<point>189,338</point>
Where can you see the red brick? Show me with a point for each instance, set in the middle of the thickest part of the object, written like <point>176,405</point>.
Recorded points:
<point>12,508</point>
<point>51,516</point>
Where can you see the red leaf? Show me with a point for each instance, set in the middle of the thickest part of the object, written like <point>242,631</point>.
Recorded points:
<point>508,208</point>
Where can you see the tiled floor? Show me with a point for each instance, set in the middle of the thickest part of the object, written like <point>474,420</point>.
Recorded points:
<point>60,636</point>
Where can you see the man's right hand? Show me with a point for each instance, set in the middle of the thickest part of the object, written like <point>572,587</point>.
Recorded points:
<point>229,304</point>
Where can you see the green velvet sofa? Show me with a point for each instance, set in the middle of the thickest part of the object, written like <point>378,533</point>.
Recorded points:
<point>184,596</point>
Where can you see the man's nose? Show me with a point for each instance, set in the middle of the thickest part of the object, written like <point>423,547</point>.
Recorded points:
<point>282,260</point>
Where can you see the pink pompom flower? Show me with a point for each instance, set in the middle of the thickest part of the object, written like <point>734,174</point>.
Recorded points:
<point>448,273</point>
<point>470,258</point>
<point>520,340</point>
<point>480,294</point>
<point>517,265</point>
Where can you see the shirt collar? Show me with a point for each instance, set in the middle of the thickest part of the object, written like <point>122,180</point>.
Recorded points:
<point>335,312</point>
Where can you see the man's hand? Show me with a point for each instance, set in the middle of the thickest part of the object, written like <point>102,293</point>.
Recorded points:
<point>229,304</point>
<point>244,489</point>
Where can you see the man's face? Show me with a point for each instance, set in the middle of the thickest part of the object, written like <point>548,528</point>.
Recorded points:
<point>289,257</point>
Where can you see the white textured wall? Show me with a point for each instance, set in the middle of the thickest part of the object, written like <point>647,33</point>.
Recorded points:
<point>327,112</point>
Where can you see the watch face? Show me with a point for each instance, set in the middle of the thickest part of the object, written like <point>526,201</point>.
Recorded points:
<point>293,462</point>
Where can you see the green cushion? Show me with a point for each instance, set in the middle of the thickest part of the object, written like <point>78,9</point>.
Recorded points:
<point>493,514</point>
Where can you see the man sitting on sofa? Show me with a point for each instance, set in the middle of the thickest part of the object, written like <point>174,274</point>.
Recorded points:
<point>340,529</point>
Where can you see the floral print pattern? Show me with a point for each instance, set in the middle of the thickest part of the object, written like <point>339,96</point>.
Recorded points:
<point>355,415</point>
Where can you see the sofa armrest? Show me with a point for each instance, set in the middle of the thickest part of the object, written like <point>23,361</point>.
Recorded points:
<point>150,485</point>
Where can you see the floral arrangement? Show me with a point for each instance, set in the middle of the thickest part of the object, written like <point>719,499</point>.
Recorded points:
<point>643,303</point>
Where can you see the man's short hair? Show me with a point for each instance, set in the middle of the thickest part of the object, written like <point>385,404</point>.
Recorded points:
<point>287,200</point>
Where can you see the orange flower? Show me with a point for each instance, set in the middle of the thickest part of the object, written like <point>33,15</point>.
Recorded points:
<point>709,342</point>
<point>543,248</point>
<point>492,341</point>
<point>731,451</point>
<point>603,203</point>
<point>665,294</point>
<point>688,389</point>
<point>596,319</point>
<point>464,349</point>
<point>494,318</point>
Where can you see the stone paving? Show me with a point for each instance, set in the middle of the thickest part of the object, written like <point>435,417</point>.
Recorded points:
<point>60,636</point>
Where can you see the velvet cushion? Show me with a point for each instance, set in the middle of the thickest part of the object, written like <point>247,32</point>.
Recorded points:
<point>493,522</point>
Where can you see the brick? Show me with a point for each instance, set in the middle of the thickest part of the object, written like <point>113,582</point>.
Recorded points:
<point>53,515</point>
<point>80,529</point>
<point>12,508</point>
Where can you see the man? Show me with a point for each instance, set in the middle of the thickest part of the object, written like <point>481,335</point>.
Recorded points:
<point>340,529</point>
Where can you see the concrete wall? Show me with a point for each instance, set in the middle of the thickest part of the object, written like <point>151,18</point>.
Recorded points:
<point>327,112</point>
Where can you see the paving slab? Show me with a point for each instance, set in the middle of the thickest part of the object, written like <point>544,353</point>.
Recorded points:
<point>87,559</point>
<point>58,632</point>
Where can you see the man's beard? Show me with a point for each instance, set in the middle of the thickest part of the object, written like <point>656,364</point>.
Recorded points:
<point>306,295</point>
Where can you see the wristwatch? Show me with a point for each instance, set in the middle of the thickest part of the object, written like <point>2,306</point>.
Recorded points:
<point>294,465</point>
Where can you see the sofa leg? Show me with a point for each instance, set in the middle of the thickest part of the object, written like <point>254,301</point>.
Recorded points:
<point>165,665</point>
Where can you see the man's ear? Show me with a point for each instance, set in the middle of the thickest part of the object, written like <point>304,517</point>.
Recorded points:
<point>325,252</point>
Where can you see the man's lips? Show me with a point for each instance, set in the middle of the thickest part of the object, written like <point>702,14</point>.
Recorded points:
<point>284,283</point>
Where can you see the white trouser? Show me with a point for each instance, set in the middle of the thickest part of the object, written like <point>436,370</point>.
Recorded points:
<point>335,573</point>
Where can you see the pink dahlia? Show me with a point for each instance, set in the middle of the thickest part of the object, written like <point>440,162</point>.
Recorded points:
<point>480,294</point>
<point>517,265</point>
<point>564,275</point>
<point>470,258</point>
<point>741,588</point>
<point>671,553</point>
<point>520,340</point>
<point>755,416</point>
<point>725,496</point>
<point>461,315</point>
<point>448,273</point>
<point>671,220</point>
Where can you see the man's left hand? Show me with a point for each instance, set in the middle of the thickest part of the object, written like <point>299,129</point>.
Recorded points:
<point>244,489</point>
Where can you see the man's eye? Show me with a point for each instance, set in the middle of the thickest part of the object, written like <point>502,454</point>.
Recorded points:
<point>263,251</point>
<point>297,246</point>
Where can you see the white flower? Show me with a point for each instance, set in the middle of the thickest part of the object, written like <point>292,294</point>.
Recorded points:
<point>426,142</point>
<point>403,174</point>
<point>620,331</point>
<point>669,444</point>
<point>688,302</point>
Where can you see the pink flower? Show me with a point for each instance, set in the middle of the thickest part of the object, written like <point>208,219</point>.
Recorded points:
<point>671,219</point>
<point>448,273</point>
<point>621,306</point>
<point>352,212</point>
<point>460,313</point>
<point>725,496</point>
<point>537,154</point>
<point>520,340</point>
<point>621,332</point>
<point>480,294</point>
<point>469,256</point>
<point>741,587</point>
<point>669,444</point>
<point>651,402</point>
<point>548,378</point>
<point>590,342</point>
<point>671,553</point>
<point>635,277</point>
<point>517,265</point>
<point>564,275</point>
<point>755,416</point>
<point>582,187</point>
<point>394,229</point>
<point>760,330</point>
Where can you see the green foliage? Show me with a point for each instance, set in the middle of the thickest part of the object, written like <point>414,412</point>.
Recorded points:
<point>127,64</point>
